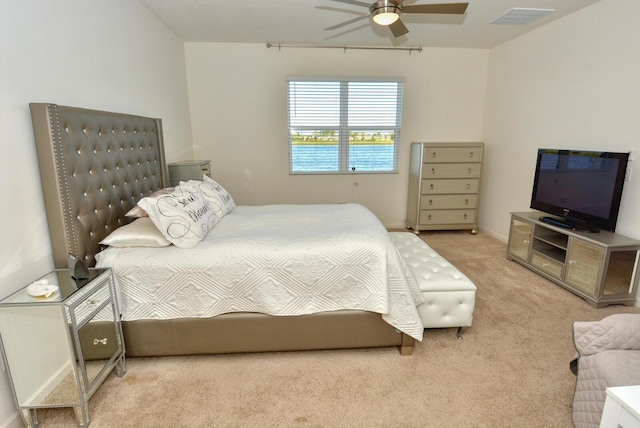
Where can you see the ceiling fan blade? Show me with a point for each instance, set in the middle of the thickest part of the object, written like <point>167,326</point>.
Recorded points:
<point>356,3</point>
<point>449,8</point>
<point>398,28</point>
<point>351,21</point>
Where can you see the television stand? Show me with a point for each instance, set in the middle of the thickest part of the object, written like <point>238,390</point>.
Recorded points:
<point>560,222</point>
<point>600,267</point>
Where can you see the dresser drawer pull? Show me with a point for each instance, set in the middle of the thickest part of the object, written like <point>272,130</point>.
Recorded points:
<point>466,201</point>
<point>433,155</point>
<point>92,303</point>
<point>433,170</point>
<point>465,216</point>
<point>469,170</point>
<point>431,186</point>
<point>470,154</point>
<point>430,201</point>
<point>468,186</point>
<point>99,341</point>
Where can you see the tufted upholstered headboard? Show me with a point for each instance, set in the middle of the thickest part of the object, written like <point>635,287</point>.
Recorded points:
<point>94,167</point>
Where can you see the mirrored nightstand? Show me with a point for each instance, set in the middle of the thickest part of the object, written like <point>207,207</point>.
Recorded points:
<point>60,348</point>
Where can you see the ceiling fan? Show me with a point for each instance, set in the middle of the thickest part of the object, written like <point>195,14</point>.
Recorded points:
<point>387,13</point>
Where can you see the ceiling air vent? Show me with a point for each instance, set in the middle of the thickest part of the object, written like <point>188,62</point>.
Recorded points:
<point>522,16</point>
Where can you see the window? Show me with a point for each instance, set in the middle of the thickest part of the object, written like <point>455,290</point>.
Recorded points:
<point>347,125</point>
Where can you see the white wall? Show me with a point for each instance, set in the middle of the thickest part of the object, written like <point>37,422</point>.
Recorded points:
<point>570,84</point>
<point>237,94</point>
<point>104,54</point>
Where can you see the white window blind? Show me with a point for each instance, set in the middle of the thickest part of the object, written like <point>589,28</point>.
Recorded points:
<point>344,125</point>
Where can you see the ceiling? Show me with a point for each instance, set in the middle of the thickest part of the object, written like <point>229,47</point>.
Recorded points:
<point>304,21</point>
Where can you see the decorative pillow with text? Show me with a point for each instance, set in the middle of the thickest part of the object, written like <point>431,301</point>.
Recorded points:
<point>184,216</point>
<point>139,212</point>
<point>218,197</point>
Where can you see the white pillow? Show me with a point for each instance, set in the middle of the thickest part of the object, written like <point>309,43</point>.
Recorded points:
<point>220,200</point>
<point>140,233</point>
<point>184,216</point>
<point>139,212</point>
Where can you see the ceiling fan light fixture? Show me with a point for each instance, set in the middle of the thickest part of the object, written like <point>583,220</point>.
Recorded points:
<point>385,15</point>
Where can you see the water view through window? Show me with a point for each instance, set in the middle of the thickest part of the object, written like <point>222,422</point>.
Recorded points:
<point>344,126</point>
<point>318,151</point>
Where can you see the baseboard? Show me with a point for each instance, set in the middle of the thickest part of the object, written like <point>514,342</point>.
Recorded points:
<point>500,238</point>
<point>397,226</point>
<point>14,421</point>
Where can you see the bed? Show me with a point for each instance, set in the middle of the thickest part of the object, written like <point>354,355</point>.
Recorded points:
<point>95,166</point>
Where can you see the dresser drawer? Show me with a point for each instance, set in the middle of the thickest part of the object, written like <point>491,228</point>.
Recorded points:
<point>101,281</point>
<point>85,308</point>
<point>445,186</point>
<point>451,170</point>
<point>99,337</point>
<point>452,154</point>
<point>447,217</point>
<point>440,202</point>
<point>552,267</point>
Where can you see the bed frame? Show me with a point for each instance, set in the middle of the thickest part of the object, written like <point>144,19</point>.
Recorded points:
<point>94,167</point>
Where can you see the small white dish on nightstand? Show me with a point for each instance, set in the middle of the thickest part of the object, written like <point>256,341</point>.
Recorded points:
<point>41,289</point>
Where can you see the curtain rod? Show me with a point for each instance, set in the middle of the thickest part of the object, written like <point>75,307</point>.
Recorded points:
<point>381,48</point>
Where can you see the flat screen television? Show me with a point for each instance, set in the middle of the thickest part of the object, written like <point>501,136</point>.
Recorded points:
<point>582,188</point>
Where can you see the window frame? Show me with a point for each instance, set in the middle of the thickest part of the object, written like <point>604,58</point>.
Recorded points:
<point>343,129</point>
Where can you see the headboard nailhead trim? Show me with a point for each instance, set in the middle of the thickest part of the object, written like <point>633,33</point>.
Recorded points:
<point>65,197</point>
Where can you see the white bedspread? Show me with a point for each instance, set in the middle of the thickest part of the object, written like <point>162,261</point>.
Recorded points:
<point>277,260</point>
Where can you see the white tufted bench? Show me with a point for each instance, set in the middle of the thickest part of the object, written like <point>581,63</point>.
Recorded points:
<point>450,296</point>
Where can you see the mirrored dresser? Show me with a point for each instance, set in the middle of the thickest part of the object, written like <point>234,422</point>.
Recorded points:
<point>60,346</point>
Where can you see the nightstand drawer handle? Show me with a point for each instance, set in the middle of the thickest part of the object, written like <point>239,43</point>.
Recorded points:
<point>94,302</point>
<point>99,341</point>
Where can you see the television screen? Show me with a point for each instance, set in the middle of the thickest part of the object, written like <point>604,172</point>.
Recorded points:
<point>584,188</point>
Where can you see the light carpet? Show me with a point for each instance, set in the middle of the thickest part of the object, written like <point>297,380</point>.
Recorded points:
<point>510,370</point>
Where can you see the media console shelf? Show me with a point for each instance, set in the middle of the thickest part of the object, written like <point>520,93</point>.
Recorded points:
<point>600,267</point>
